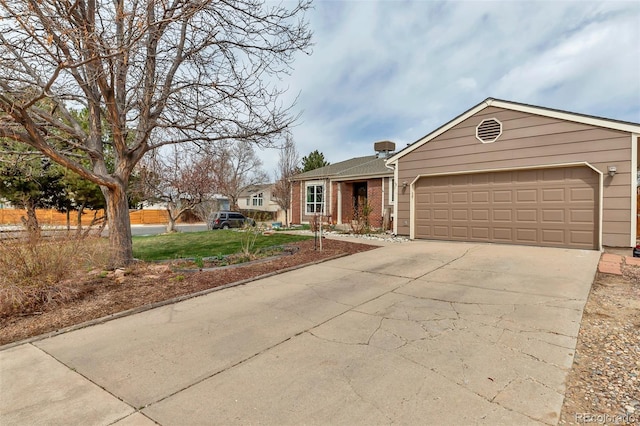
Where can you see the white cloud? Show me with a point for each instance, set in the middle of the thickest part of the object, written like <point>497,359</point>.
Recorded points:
<point>399,69</point>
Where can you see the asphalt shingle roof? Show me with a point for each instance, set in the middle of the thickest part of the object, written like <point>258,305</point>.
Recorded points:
<point>354,167</point>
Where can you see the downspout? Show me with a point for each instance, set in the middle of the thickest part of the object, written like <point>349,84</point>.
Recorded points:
<point>393,167</point>
<point>339,207</point>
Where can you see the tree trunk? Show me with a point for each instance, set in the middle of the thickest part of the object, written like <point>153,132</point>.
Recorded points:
<point>119,226</point>
<point>79,220</point>
<point>171,225</point>
<point>31,222</point>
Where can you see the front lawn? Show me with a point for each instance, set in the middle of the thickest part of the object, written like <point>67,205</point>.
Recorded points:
<point>202,244</point>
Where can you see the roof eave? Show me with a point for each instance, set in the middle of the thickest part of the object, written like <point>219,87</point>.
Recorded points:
<point>514,106</point>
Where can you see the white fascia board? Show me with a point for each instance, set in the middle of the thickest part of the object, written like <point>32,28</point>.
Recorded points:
<point>567,116</point>
<point>361,177</point>
<point>438,132</point>
<point>593,121</point>
<point>634,187</point>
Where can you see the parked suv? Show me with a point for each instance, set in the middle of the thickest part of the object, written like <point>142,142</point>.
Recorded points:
<point>226,220</point>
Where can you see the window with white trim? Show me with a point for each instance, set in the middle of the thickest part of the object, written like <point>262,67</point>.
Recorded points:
<point>315,199</point>
<point>257,200</point>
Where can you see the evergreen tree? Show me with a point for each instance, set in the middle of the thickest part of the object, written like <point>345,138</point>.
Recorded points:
<point>313,161</point>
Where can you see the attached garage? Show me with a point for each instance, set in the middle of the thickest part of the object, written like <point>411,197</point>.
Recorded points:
<point>517,174</point>
<point>555,207</point>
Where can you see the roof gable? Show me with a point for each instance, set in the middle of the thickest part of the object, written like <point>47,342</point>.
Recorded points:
<point>514,106</point>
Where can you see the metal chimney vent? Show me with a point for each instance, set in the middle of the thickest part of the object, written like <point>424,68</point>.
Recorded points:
<point>489,130</point>
<point>384,147</point>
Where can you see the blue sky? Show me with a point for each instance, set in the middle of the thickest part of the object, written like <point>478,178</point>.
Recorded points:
<point>397,70</point>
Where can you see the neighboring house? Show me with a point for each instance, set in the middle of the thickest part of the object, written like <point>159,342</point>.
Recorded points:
<point>512,173</point>
<point>260,198</point>
<point>337,191</point>
<point>221,201</point>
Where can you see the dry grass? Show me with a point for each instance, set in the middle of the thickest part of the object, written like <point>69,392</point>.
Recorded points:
<point>38,271</point>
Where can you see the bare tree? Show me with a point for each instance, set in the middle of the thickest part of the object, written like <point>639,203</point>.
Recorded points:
<point>237,168</point>
<point>288,165</point>
<point>179,179</point>
<point>152,72</point>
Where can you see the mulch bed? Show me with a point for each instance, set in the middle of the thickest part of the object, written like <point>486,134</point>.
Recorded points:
<point>603,386</point>
<point>96,296</point>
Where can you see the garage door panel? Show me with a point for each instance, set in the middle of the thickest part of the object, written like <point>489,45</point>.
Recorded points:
<point>503,234</point>
<point>581,194</point>
<point>553,236</point>
<point>504,178</point>
<point>460,232</point>
<point>502,215</point>
<point>480,215</point>
<point>582,216</point>
<point>554,175</point>
<point>440,231</point>
<point>479,179</point>
<point>584,238</point>
<point>440,214</point>
<point>526,176</point>
<point>458,197</point>
<point>526,195</point>
<point>553,195</point>
<point>424,230</point>
<point>460,214</point>
<point>502,196</point>
<point>441,198</point>
<point>480,197</point>
<point>549,207</point>
<point>553,216</point>
<point>523,215</point>
<point>480,232</point>
<point>526,235</point>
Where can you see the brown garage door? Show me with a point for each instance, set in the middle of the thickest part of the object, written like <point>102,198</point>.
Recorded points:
<point>547,207</point>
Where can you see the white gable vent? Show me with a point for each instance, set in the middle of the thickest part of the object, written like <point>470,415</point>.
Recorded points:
<point>489,130</point>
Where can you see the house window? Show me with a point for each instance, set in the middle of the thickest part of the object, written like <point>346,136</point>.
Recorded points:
<point>315,199</point>
<point>257,200</point>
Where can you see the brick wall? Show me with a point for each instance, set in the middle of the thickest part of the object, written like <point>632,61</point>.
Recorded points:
<point>374,198</point>
<point>334,202</point>
<point>295,203</point>
<point>347,202</point>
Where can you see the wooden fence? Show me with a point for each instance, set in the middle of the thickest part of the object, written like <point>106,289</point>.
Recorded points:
<point>52,217</point>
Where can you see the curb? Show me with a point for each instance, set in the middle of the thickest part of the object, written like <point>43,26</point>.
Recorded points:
<point>154,305</point>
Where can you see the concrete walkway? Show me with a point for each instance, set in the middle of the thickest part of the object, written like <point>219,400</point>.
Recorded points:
<point>413,333</point>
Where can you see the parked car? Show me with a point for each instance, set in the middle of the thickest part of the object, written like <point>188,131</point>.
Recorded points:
<point>226,220</point>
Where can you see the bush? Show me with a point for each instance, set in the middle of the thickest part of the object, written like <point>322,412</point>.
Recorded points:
<point>360,223</point>
<point>34,272</point>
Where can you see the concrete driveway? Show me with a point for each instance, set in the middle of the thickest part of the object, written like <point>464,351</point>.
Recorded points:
<point>412,333</point>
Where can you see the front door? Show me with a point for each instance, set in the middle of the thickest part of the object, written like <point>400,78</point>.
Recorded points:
<point>359,198</point>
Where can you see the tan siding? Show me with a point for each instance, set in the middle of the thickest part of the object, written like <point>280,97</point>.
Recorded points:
<point>527,141</point>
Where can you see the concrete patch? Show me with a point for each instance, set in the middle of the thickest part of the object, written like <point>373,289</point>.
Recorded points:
<point>314,381</point>
<point>37,389</point>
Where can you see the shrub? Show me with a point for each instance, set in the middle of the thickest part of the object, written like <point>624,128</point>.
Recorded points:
<point>37,271</point>
<point>360,223</point>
